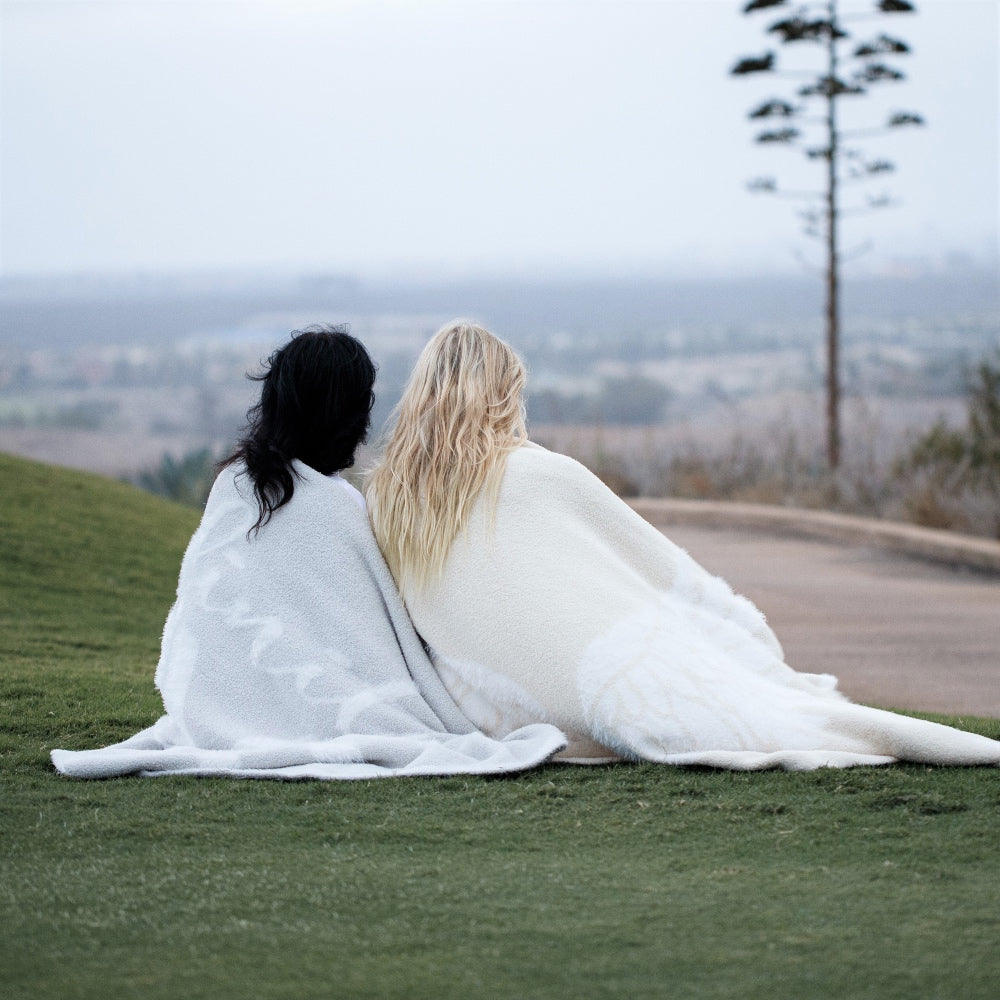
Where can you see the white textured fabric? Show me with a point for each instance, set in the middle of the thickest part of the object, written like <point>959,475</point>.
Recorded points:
<point>574,611</point>
<point>289,655</point>
<point>355,494</point>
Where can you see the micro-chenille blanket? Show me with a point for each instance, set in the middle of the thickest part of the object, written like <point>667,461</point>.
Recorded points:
<point>570,609</point>
<point>288,654</point>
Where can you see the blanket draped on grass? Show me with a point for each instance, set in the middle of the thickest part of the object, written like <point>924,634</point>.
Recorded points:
<point>569,608</point>
<point>289,655</point>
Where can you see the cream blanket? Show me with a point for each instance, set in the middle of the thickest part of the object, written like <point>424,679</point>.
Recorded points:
<point>289,655</point>
<point>573,610</point>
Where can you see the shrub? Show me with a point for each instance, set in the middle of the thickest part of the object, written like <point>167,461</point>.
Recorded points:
<point>954,474</point>
<point>187,479</point>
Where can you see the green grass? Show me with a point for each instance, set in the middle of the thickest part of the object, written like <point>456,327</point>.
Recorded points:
<point>636,881</point>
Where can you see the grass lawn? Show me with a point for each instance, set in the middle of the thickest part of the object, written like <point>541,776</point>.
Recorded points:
<point>634,880</point>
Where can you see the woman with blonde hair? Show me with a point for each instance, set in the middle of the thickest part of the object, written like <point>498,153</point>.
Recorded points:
<point>545,598</point>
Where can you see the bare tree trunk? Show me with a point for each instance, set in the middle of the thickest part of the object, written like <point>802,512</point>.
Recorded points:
<point>832,261</point>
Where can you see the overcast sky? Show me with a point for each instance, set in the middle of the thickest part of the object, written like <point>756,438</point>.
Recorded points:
<point>450,137</point>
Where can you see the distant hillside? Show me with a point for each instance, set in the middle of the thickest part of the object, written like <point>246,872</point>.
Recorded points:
<point>88,569</point>
<point>167,310</point>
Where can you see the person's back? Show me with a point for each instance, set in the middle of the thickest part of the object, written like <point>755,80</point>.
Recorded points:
<point>280,635</point>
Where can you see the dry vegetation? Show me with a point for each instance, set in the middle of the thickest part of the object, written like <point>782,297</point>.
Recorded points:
<point>944,476</point>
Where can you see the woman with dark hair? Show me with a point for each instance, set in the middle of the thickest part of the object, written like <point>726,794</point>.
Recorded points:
<point>288,653</point>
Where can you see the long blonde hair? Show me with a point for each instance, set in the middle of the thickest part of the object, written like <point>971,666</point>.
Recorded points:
<point>461,414</point>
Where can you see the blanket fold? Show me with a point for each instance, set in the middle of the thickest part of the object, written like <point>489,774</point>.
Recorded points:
<point>570,609</point>
<point>289,655</point>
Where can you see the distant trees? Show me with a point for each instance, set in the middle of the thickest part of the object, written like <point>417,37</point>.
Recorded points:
<point>84,415</point>
<point>620,400</point>
<point>186,480</point>
<point>847,69</point>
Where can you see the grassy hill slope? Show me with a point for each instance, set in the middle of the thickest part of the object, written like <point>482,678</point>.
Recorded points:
<point>632,880</point>
<point>88,569</point>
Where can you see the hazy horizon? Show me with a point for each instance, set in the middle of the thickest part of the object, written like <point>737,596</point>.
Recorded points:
<point>47,311</point>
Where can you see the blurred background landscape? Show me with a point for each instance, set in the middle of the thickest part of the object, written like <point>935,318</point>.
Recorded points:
<point>184,183</point>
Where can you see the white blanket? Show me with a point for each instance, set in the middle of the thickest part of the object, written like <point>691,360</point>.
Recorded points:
<point>575,611</point>
<point>289,655</point>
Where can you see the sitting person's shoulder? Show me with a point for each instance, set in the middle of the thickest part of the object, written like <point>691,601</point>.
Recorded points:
<point>326,494</point>
<point>349,490</point>
<point>540,465</point>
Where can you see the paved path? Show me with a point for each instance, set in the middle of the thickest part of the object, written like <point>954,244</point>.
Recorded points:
<point>899,632</point>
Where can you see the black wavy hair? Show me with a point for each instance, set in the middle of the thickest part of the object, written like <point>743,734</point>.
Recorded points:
<point>315,405</point>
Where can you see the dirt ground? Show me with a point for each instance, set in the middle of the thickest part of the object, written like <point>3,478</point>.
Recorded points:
<point>897,631</point>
